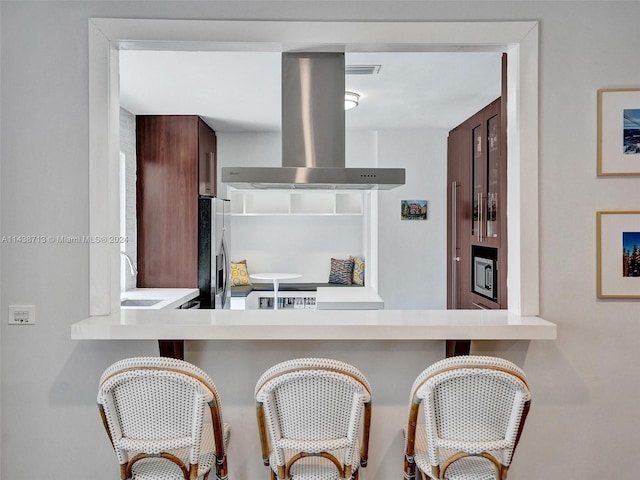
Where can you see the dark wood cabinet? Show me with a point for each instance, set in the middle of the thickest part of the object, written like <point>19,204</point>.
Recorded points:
<point>477,189</point>
<point>175,162</point>
<point>207,171</point>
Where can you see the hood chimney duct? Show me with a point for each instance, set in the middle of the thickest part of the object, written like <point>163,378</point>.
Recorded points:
<point>313,110</point>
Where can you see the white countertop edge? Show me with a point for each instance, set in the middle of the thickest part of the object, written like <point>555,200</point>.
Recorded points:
<point>313,325</point>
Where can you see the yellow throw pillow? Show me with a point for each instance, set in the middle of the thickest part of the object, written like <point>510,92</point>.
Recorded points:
<point>239,274</point>
<point>358,270</point>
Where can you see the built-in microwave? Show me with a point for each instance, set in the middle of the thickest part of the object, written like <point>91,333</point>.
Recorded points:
<point>484,273</point>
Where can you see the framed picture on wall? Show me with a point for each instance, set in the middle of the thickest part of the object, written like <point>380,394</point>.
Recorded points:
<point>619,131</point>
<point>413,210</point>
<point>618,252</point>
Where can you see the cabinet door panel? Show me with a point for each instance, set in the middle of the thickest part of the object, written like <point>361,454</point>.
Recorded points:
<point>459,219</point>
<point>477,169</point>
<point>207,161</point>
<point>167,201</point>
<point>486,167</point>
<point>492,202</point>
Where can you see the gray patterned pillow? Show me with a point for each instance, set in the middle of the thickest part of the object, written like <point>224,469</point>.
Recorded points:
<point>341,271</point>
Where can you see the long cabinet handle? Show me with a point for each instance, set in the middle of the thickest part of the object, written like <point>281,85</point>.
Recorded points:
<point>477,219</point>
<point>454,245</point>
<point>481,216</point>
<point>227,269</point>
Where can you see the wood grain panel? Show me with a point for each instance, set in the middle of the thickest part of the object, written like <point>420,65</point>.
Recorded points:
<point>206,148</point>
<point>459,169</point>
<point>167,201</point>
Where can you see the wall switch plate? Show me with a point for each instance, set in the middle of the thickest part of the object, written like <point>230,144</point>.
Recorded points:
<point>22,314</point>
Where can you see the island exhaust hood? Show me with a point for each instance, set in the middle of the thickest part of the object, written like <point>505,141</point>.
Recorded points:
<point>313,134</point>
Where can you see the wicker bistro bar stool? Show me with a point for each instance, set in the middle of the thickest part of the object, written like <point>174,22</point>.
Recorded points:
<point>314,416</point>
<point>154,410</point>
<point>474,411</point>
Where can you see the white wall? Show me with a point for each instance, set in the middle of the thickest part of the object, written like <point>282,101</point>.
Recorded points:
<point>413,269</point>
<point>248,149</point>
<point>584,393</point>
<point>300,244</point>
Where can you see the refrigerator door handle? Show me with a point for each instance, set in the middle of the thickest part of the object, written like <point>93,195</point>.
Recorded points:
<point>226,267</point>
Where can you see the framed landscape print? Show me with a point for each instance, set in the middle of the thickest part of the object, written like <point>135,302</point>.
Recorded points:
<point>619,131</point>
<point>618,252</point>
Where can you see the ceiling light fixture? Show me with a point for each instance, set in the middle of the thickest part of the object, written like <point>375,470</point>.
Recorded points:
<point>351,100</point>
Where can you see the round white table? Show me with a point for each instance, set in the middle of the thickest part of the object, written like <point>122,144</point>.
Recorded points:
<point>275,278</point>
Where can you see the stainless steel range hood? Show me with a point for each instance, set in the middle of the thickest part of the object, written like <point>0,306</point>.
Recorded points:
<point>313,133</point>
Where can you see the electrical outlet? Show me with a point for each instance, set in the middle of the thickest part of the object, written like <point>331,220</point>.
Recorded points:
<point>22,314</point>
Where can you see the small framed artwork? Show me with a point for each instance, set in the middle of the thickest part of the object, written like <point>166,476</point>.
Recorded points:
<point>618,252</point>
<point>619,131</point>
<point>413,210</point>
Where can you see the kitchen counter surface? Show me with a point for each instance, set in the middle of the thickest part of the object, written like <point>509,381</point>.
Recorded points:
<point>356,298</point>
<point>170,298</point>
<point>167,324</point>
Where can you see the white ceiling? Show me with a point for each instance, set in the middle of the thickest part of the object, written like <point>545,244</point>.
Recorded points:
<point>240,91</point>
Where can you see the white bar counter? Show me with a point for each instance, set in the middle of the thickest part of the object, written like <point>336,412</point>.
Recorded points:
<point>168,324</point>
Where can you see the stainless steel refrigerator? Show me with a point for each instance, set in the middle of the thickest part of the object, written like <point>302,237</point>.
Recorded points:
<point>214,268</point>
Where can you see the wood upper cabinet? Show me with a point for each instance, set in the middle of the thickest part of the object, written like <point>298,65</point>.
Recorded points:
<point>207,171</point>
<point>174,153</point>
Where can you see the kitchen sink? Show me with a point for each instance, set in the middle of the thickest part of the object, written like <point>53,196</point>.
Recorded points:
<point>138,302</point>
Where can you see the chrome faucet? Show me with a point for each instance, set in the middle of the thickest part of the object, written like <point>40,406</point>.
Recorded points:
<point>132,268</point>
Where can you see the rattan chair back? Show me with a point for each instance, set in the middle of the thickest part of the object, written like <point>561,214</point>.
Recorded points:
<point>156,413</point>
<point>474,411</point>
<point>314,416</point>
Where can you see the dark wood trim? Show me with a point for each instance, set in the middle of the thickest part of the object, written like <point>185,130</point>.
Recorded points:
<point>456,348</point>
<point>171,348</point>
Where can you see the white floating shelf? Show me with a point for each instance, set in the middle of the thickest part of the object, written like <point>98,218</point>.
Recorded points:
<point>286,202</point>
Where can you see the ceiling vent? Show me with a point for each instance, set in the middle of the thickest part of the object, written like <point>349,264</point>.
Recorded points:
<point>362,69</point>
